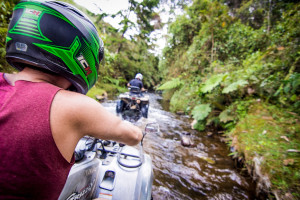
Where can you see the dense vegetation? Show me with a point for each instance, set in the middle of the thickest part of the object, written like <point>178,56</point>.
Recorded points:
<point>123,57</point>
<point>231,65</point>
<point>6,8</point>
<point>234,65</point>
<point>126,57</point>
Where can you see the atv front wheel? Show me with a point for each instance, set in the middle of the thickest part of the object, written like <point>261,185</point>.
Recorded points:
<point>144,110</point>
<point>120,106</point>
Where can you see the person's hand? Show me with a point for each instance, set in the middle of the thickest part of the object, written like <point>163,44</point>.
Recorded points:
<point>135,132</point>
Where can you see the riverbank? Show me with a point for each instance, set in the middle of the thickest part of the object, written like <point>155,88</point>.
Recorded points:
<point>267,140</point>
<point>263,136</point>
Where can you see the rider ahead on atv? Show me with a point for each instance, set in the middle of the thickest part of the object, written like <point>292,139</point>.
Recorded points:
<point>134,101</point>
<point>137,82</point>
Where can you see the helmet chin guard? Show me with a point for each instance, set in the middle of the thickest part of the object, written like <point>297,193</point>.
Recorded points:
<point>56,37</point>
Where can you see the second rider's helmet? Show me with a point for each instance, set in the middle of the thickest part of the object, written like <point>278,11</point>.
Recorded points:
<point>55,37</point>
<point>139,76</point>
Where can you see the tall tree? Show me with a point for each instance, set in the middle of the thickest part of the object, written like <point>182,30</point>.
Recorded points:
<point>145,14</point>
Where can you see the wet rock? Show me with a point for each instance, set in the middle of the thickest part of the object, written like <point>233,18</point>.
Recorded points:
<point>209,134</point>
<point>186,141</point>
<point>101,97</point>
<point>193,124</point>
<point>180,112</point>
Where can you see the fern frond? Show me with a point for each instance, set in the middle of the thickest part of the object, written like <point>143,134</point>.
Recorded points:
<point>212,82</point>
<point>234,86</point>
<point>174,83</point>
<point>201,111</point>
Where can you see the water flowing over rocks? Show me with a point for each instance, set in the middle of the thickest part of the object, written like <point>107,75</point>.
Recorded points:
<point>200,171</point>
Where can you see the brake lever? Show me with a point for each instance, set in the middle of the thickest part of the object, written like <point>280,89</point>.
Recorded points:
<point>144,134</point>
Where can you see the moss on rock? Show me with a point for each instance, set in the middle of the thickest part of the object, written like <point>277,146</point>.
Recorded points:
<point>268,138</point>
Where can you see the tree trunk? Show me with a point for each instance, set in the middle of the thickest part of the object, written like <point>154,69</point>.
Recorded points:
<point>269,17</point>
<point>212,47</point>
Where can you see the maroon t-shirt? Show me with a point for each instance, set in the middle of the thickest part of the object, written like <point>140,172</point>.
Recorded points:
<point>31,166</point>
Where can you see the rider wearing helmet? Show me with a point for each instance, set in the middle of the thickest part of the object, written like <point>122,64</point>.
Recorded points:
<point>43,112</point>
<point>137,82</point>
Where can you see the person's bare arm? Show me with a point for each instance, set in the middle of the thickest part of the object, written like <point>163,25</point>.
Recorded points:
<point>74,115</point>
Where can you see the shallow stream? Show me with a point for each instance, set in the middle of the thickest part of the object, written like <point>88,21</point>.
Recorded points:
<point>204,171</point>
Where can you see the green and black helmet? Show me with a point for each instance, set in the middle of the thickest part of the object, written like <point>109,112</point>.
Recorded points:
<point>56,37</point>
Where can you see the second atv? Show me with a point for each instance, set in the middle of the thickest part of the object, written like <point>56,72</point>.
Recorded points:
<point>133,104</point>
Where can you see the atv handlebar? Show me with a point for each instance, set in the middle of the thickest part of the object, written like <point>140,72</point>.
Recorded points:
<point>137,90</point>
<point>150,128</point>
<point>90,144</point>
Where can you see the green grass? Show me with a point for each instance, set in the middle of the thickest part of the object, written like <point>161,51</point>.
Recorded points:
<point>111,90</point>
<point>95,91</point>
<point>268,132</point>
